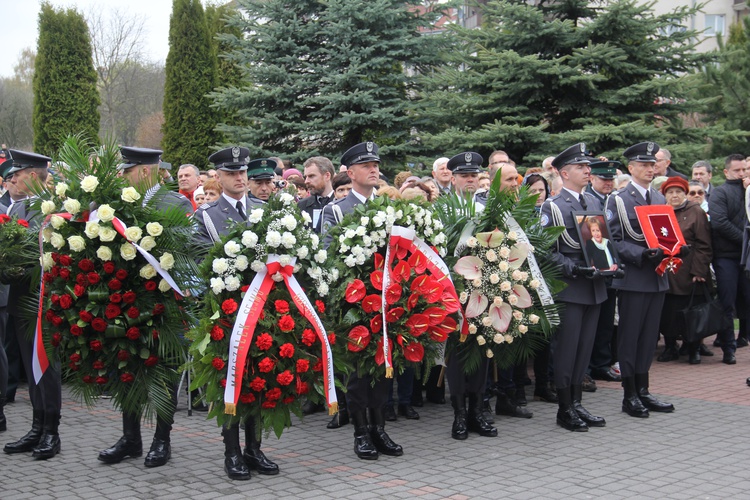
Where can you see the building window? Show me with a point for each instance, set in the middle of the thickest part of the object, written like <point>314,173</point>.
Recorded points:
<point>714,25</point>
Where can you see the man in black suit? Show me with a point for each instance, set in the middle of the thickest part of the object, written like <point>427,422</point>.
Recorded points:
<point>318,179</point>
<point>363,395</point>
<point>30,170</point>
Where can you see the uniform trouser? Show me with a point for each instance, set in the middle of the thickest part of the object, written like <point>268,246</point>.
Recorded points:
<point>164,422</point>
<point>575,338</point>
<point>10,345</point>
<point>731,283</point>
<point>361,394</point>
<point>3,357</point>
<point>47,394</point>
<point>638,330</point>
<point>405,387</point>
<point>601,353</point>
<point>461,383</point>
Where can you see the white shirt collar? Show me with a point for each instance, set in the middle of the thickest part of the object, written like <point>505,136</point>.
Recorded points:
<point>577,196</point>
<point>233,202</point>
<point>362,197</point>
<point>640,189</point>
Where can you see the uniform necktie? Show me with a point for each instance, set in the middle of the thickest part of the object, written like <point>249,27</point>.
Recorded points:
<point>648,197</point>
<point>241,211</point>
<point>583,202</point>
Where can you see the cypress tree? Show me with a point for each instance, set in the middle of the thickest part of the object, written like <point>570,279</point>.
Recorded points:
<point>189,120</point>
<point>65,97</point>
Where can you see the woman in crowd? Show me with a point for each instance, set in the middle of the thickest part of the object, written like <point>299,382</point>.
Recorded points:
<point>537,185</point>
<point>694,271</point>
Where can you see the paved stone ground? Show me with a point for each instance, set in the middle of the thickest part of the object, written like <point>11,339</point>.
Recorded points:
<point>700,451</point>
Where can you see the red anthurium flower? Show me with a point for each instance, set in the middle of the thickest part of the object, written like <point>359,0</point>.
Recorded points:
<point>449,300</point>
<point>418,262</point>
<point>414,352</point>
<point>400,340</point>
<point>359,338</point>
<point>411,302</point>
<point>379,261</point>
<point>394,314</point>
<point>441,331</point>
<point>432,290</point>
<point>372,303</point>
<point>435,315</point>
<point>418,283</point>
<point>355,291</point>
<point>376,278</point>
<point>401,271</point>
<point>379,354</point>
<point>417,324</point>
<point>401,252</point>
<point>376,323</point>
<point>393,293</point>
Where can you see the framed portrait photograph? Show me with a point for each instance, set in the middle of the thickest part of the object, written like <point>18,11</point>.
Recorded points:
<point>596,243</point>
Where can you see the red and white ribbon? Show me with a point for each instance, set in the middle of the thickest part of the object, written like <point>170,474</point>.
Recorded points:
<point>247,318</point>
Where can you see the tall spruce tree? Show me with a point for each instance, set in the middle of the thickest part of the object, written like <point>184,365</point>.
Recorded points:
<point>65,97</point>
<point>535,79</point>
<point>189,120</point>
<point>322,76</point>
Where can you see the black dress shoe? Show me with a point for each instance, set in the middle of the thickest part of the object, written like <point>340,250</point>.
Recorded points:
<point>123,448</point>
<point>48,447</point>
<point>389,413</point>
<point>634,407</point>
<point>544,393</point>
<point>508,407</point>
<point>742,342</point>
<point>747,381</point>
<point>588,384</point>
<point>567,418</point>
<point>608,375</point>
<point>256,460</point>
<point>729,358</point>
<point>670,354</point>
<point>159,454</point>
<point>653,404</point>
<point>705,351</point>
<point>340,419</point>
<point>236,468</point>
<point>383,442</point>
<point>363,447</point>
<point>408,411</point>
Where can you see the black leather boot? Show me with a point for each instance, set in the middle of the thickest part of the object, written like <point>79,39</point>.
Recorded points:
<point>363,446</point>
<point>49,444</point>
<point>520,396</point>
<point>583,413</point>
<point>254,458</point>
<point>475,422</point>
<point>506,405</point>
<point>161,448</point>
<point>31,439</point>
<point>459,430</point>
<point>3,422</point>
<point>234,463</point>
<point>129,445</point>
<point>382,441</point>
<point>631,403</point>
<point>567,417</point>
<point>340,418</point>
<point>434,393</point>
<point>649,401</point>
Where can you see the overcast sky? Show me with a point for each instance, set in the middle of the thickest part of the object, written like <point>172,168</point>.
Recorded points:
<point>20,17</point>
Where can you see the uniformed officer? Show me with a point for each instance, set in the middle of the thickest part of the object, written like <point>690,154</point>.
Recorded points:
<point>585,290</point>
<point>214,220</point>
<point>260,174</point>
<point>641,291</point>
<point>363,395</point>
<point>602,182</point>
<point>465,168</point>
<point>43,440</point>
<point>140,168</point>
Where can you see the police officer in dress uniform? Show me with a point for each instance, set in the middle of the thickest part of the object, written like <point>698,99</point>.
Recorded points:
<point>641,291</point>
<point>140,168</point>
<point>43,440</point>
<point>585,291</point>
<point>214,220</point>
<point>465,168</point>
<point>363,168</point>
<point>4,291</point>
<point>603,173</point>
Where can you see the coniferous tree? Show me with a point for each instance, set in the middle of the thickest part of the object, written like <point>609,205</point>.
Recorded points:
<point>65,97</point>
<point>535,79</point>
<point>189,120</point>
<point>322,76</point>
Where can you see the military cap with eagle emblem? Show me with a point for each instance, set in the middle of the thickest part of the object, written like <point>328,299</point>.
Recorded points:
<point>261,169</point>
<point>231,159</point>
<point>466,163</point>
<point>363,152</point>
<point>138,156</point>
<point>20,160</point>
<point>644,152</point>
<point>573,155</point>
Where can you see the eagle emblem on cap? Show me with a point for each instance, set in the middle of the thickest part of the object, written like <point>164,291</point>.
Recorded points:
<point>467,157</point>
<point>263,163</point>
<point>370,146</point>
<point>582,146</point>
<point>649,148</point>
<point>236,153</point>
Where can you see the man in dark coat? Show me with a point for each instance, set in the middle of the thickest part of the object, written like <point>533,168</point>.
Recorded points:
<point>318,179</point>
